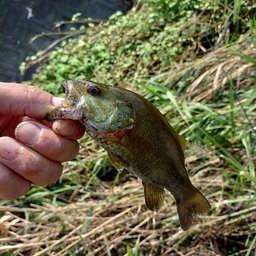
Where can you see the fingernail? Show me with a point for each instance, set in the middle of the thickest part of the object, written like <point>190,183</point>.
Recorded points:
<point>9,149</point>
<point>57,101</point>
<point>64,127</point>
<point>27,133</point>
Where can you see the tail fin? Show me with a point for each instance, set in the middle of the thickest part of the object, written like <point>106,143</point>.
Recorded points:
<point>195,204</point>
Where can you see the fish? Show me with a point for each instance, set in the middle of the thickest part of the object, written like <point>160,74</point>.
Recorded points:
<point>137,137</point>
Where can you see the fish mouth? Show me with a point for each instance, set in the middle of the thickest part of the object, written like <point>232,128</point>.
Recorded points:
<point>73,97</point>
<point>65,112</point>
<point>73,106</point>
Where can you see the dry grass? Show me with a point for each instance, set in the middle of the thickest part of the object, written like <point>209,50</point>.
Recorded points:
<point>111,218</point>
<point>214,72</point>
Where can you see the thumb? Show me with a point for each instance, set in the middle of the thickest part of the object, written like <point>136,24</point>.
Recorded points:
<point>24,100</point>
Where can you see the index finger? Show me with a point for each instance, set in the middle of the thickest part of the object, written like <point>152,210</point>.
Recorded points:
<point>24,100</point>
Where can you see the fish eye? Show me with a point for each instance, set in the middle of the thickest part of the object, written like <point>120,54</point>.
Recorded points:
<point>94,90</point>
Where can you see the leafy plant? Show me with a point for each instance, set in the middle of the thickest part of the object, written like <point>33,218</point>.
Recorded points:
<point>138,46</point>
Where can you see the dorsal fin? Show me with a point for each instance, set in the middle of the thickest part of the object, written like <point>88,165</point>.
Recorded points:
<point>183,143</point>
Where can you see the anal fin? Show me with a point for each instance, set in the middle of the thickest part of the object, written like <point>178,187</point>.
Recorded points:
<point>154,197</point>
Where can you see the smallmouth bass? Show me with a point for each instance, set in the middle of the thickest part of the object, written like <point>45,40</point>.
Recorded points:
<point>137,137</point>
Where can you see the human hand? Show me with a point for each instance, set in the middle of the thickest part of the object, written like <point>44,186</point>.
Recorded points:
<point>32,149</point>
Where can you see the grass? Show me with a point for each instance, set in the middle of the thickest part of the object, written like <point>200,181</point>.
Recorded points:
<point>210,99</point>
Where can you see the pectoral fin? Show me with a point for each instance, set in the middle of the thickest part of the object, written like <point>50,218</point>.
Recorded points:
<point>154,197</point>
<point>113,159</point>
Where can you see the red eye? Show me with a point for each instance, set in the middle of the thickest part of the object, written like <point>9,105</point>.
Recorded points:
<point>94,90</point>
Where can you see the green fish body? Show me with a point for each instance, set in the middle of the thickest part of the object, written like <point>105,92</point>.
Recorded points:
<point>137,137</point>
